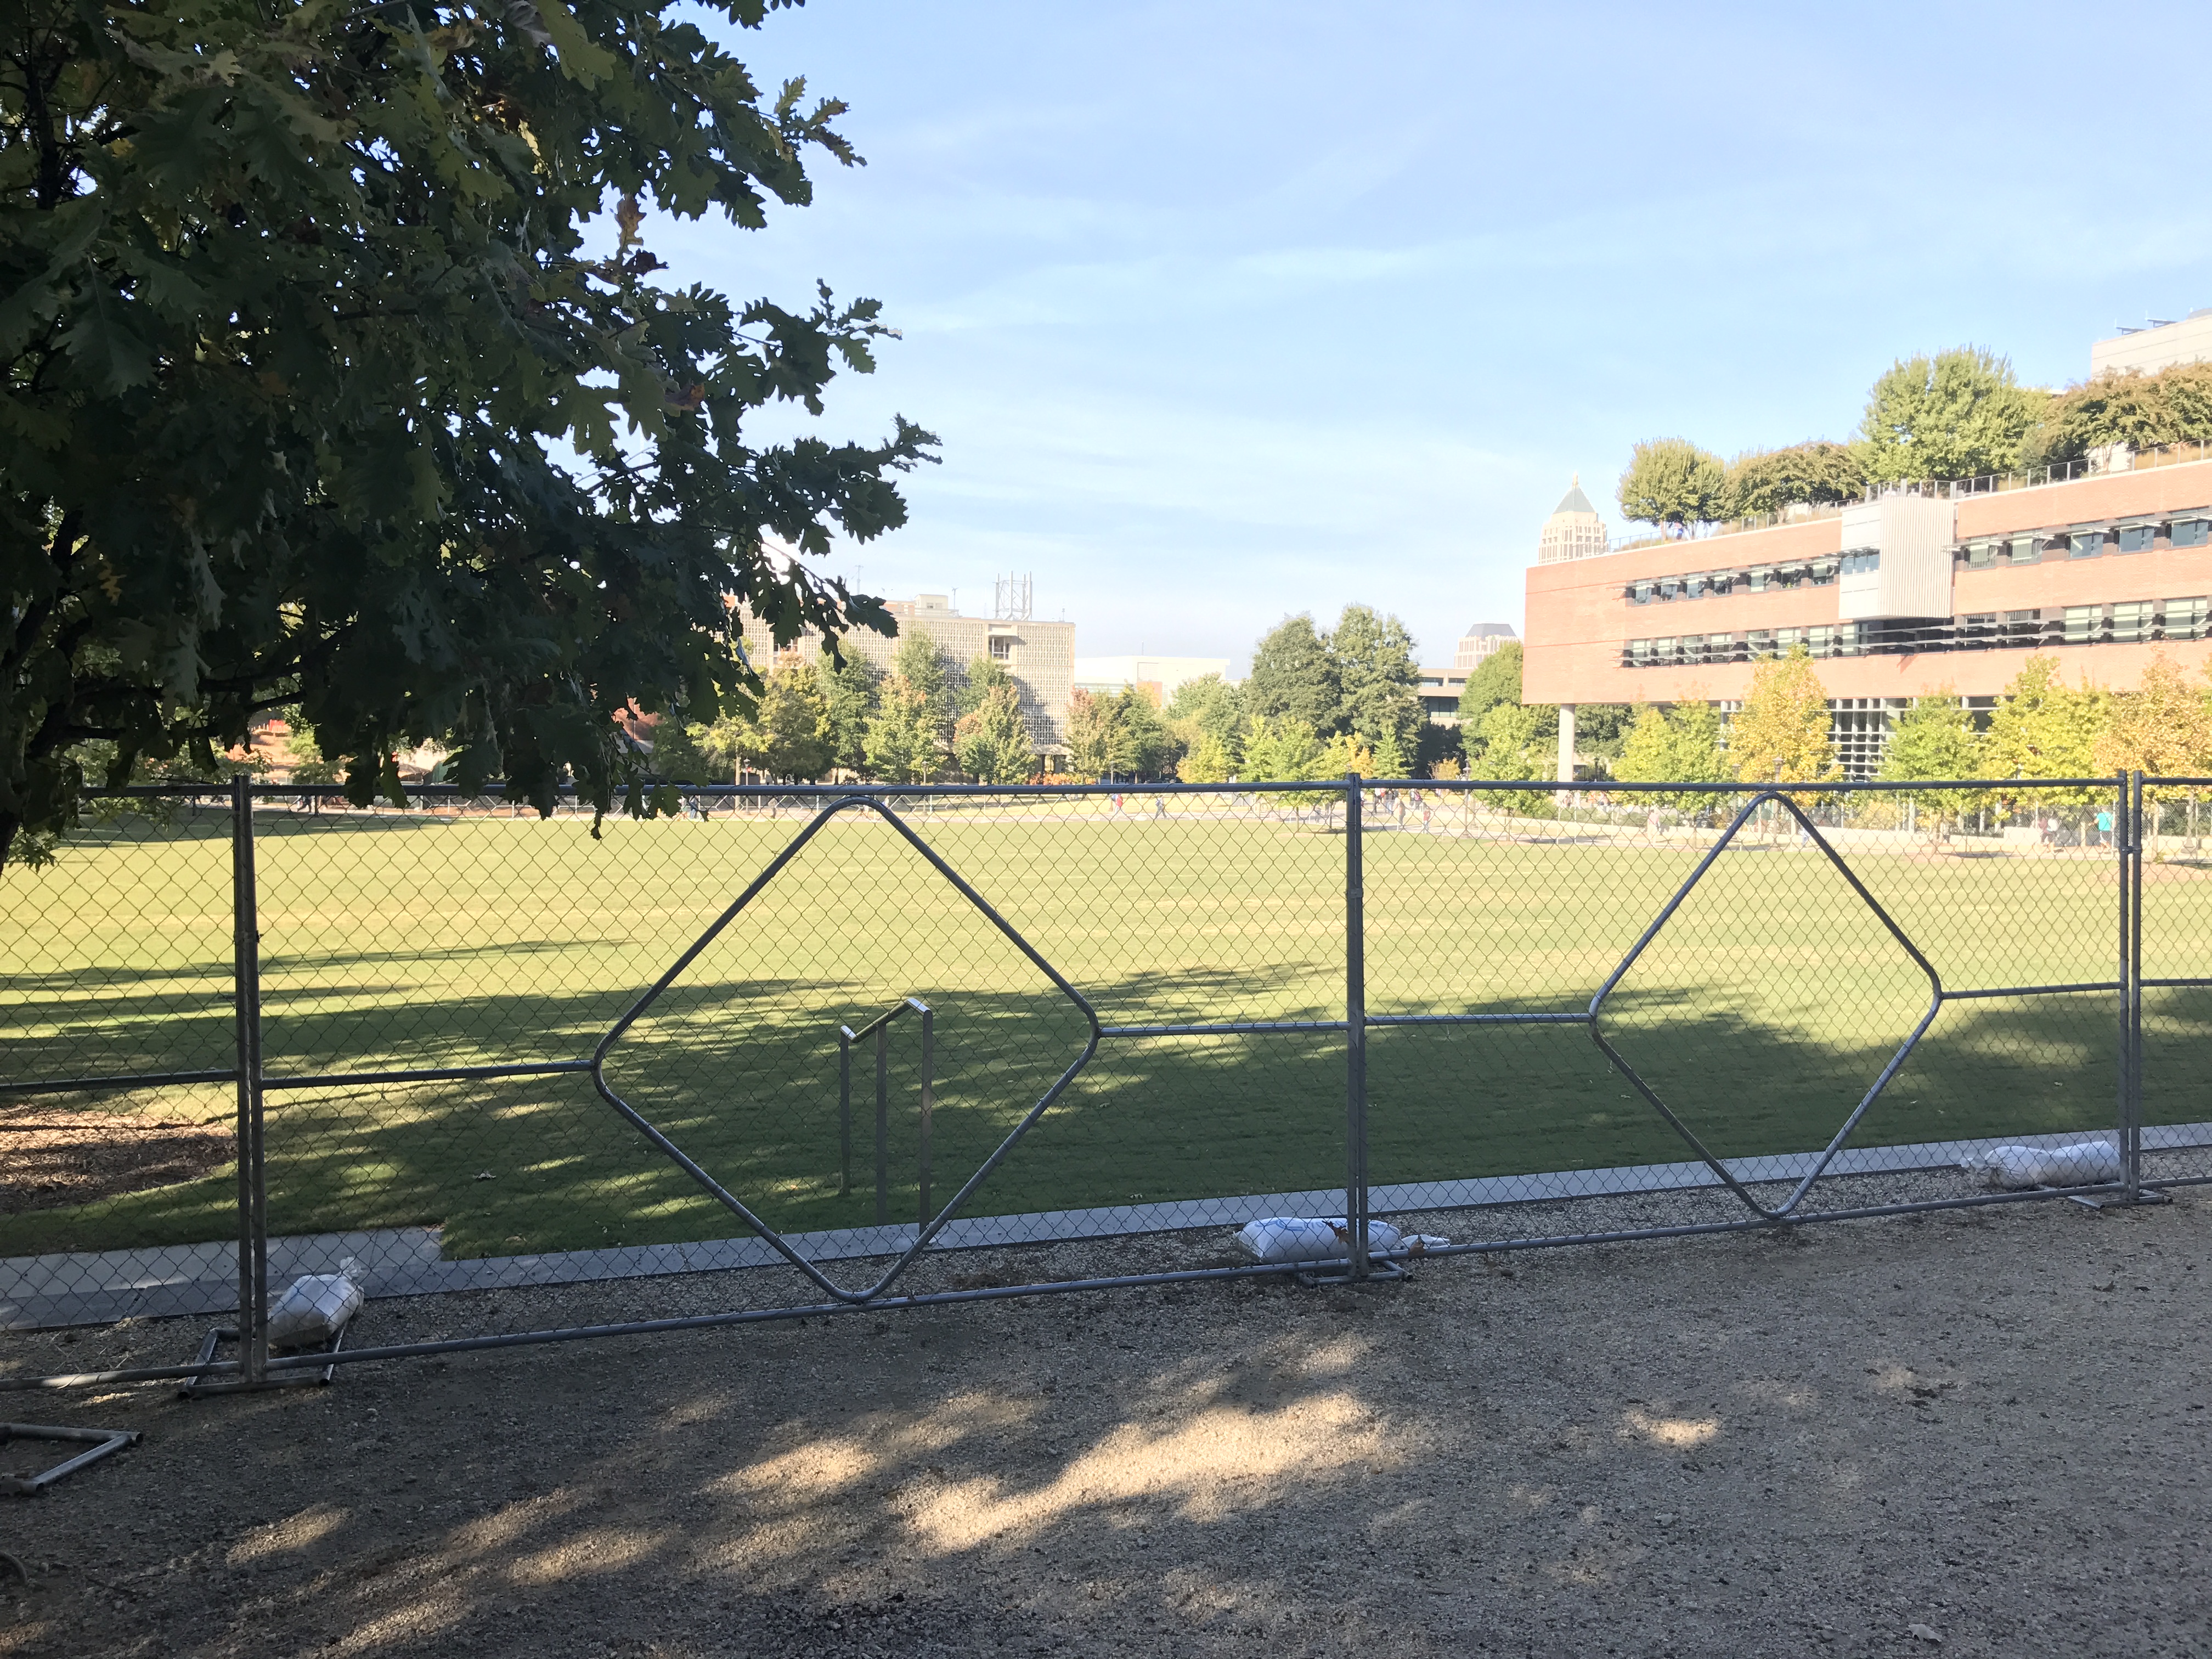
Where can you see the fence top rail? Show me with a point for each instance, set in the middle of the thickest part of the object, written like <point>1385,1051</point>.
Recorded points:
<point>826,792</point>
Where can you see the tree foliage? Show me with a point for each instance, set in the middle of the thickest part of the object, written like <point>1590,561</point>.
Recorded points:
<point>1208,710</point>
<point>2163,727</point>
<point>992,740</point>
<point>909,736</point>
<point>1955,414</point>
<point>1677,745</point>
<point>1769,481</point>
<point>302,305</point>
<point>1294,676</point>
<point>2044,728</point>
<point>785,735</point>
<point>1933,738</point>
<point>1282,751</point>
<point>1672,481</point>
<point>849,690</point>
<point>1781,732</point>
<point>1496,679</point>
<point>2140,410</point>
<point>1375,678</point>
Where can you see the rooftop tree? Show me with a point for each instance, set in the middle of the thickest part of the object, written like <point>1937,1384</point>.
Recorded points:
<point>1670,481</point>
<point>337,375</point>
<point>1957,415</point>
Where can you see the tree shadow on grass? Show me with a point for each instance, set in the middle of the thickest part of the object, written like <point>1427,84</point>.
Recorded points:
<point>517,1165</point>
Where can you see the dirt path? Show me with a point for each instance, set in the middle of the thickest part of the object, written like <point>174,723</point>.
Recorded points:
<point>1988,1427</point>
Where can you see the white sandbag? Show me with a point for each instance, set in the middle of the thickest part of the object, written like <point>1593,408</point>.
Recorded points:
<point>2082,1164</point>
<point>316,1308</point>
<point>1306,1238</point>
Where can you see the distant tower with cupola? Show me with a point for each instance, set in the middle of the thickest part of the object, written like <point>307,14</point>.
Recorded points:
<point>1574,530</point>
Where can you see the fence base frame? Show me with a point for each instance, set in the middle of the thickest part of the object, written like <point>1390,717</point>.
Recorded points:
<point>198,1385</point>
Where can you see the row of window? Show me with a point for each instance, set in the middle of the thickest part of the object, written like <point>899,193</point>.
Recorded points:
<point>2135,621</point>
<point>2082,544</point>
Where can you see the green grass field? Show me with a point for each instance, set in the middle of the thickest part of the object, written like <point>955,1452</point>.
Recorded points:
<point>1763,1010</point>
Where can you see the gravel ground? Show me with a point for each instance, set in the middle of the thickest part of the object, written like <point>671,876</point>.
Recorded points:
<point>1965,1432</point>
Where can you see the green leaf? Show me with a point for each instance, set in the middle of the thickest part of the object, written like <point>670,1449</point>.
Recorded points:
<point>104,348</point>
<point>580,59</point>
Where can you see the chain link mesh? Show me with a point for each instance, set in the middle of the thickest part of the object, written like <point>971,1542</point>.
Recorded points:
<point>877,1026</point>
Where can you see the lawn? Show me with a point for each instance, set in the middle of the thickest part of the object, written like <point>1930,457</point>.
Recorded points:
<point>1763,1009</point>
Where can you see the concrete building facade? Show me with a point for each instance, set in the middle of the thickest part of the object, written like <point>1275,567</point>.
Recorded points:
<point>1898,597</point>
<point>2161,345</point>
<point>1109,677</point>
<point>1039,656</point>
<point>1480,643</point>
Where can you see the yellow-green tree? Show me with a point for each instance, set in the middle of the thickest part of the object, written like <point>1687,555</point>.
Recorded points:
<point>1283,750</point>
<point>2044,728</point>
<point>1208,761</point>
<point>1934,738</point>
<point>1681,744</point>
<point>2163,728</point>
<point>1781,732</point>
<point>788,734</point>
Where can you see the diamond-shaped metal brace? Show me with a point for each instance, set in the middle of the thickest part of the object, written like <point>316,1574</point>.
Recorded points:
<point>729,1201</point>
<point>1841,1135</point>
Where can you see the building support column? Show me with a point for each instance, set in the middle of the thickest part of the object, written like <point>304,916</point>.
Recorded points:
<point>1567,774</point>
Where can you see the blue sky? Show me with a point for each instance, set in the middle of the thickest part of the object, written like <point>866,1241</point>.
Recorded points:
<point>1229,311</point>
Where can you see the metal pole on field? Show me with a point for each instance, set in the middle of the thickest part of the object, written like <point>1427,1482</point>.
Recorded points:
<point>928,1043</point>
<point>1355,1030</point>
<point>882,1122</point>
<point>2131,997</point>
<point>844,1110</point>
<point>252,1188</point>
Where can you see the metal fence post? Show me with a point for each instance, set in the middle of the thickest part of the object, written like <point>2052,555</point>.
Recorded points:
<point>2131,883</point>
<point>882,1122</point>
<point>1355,1030</point>
<point>844,1110</point>
<point>928,1044</point>
<point>252,1188</point>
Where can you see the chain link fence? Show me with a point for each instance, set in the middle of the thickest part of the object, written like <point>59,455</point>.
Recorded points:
<point>800,1051</point>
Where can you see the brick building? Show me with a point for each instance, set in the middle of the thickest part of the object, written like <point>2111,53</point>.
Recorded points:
<point>1911,592</point>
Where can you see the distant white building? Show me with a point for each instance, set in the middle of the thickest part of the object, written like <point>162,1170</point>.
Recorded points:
<point>1478,642</point>
<point>1574,530</point>
<point>2160,345</point>
<point>1109,677</point>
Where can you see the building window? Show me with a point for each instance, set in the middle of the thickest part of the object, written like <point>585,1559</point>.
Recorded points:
<point>1823,572</point>
<point>2192,532</point>
<point>1760,641</point>
<point>1002,647</point>
<point>2081,625</point>
<point>1787,640</point>
<point>2185,618</point>
<point>2085,543</point>
<point>1669,586</point>
<point>1795,576</point>
<point>1693,588</point>
<point>2136,538</point>
<point>1664,650</point>
<point>1726,581</point>
<point>2025,549</point>
<point>1980,555</point>
<point>1862,559</point>
<point>2023,626</point>
<point>1977,632</point>
<point>2132,622</point>
<point>1639,653</point>
<point>1762,579</point>
<point>1816,640</point>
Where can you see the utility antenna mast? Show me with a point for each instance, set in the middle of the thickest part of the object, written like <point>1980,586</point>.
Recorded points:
<point>1011,598</point>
